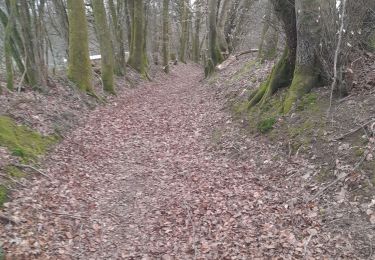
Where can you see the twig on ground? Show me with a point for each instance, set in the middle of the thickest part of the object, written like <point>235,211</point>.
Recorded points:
<point>354,130</point>
<point>63,214</point>
<point>193,229</point>
<point>359,163</point>
<point>33,168</point>
<point>306,245</point>
<point>12,179</point>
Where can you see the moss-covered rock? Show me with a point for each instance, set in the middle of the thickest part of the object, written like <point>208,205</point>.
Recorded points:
<point>22,141</point>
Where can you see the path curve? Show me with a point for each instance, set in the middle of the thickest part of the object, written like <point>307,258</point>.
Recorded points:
<point>160,173</point>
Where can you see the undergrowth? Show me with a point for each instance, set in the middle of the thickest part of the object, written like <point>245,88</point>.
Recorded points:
<point>21,142</point>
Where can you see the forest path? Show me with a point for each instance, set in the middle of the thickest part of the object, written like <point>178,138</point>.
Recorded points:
<point>161,172</point>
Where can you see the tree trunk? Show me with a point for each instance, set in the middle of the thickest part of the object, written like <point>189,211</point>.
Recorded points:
<point>7,45</point>
<point>282,72</point>
<point>298,66</point>
<point>166,35</point>
<point>241,22</point>
<point>184,31</point>
<point>128,11</point>
<point>102,29</point>
<point>138,57</point>
<point>16,44</point>
<point>79,70</point>
<point>31,65</point>
<point>307,69</point>
<point>118,43</point>
<point>214,50</point>
<point>226,6</point>
<point>62,18</point>
<point>269,37</point>
<point>196,41</point>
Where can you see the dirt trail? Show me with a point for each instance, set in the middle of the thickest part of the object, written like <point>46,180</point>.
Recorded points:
<point>162,172</point>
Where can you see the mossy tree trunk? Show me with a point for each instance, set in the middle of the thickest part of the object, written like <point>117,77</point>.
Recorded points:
<point>307,69</point>
<point>184,30</point>
<point>118,33</point>
<point>79,69</point>
<point>298,67</point>
<point>269,37</point>
<point>215,56</point>
<point>138,57</point>
<point>166,35</point>
<point>104,36</point>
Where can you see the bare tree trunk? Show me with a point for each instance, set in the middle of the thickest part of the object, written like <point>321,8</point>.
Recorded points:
<point>184,31</point>
<point>196,41</point>
<point>221,25</point>
<point>7,45</point>
<point>269,37</point>
<point>166,35</point>
<point>214,51</point>
<point>118,43</point>
<point>29,41</point>
<point>128,10</point>
<point>62,18</point>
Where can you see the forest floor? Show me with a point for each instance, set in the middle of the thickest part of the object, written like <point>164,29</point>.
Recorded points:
<point>165,172</point>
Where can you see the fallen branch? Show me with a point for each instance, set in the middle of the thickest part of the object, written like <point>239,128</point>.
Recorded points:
<point>12,179</point>
<point>354,130</point>
<point>246,52</point>
<point>359,163</point>
<point>33,168</point>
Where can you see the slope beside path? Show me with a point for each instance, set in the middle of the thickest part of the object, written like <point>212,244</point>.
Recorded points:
<point>162,173</point>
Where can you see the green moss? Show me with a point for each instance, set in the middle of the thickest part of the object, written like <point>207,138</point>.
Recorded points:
<point>359,151</point>
<point>22,141</point>
<point>3,194</point>
<point>307,101</point>
<point>304,80</point>
<point>14,172</point>
<point>279,77</point>
<point>239,108</point>
<point>266,125</point>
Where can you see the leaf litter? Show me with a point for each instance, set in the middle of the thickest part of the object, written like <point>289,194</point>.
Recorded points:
<point>162,172</point>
